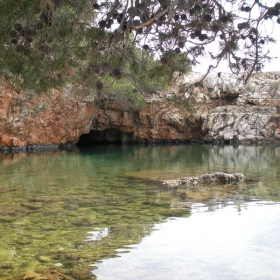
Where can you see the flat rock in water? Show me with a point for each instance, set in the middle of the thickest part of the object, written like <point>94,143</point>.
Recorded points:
<point>217,178</point>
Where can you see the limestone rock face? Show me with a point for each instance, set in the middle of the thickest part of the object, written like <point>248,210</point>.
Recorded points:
<point>217,109</point>
<point>235,111</point>
<point>253,117</point>
<point>52,118</point>
<point>165,118</point>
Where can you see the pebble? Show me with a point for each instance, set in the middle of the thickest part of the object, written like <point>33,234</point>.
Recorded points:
<point>44,259</point>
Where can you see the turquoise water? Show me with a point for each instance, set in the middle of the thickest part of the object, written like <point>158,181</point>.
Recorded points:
<point>102,213</point>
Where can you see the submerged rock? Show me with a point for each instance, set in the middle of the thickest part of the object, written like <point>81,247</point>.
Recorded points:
<point>32,205</point>
<point>49,275</point>
<point>6,266</point>
<point>217,177</point>
<point>181,205</point>
<point>6,219</point>
<point>44,259</point>
<point>24,241</point>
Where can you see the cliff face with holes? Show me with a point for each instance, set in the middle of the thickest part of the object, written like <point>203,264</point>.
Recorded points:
<point>164,119</point>
<point>236,112</point>
<point>47,121</point>
<point>218,109</point>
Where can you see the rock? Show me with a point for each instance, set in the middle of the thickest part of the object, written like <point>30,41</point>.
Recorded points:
<point>38,236</point>
<point>48,275</point>
<point>217,109</point>
<point>181,205</point>
<point>31,276</point>
<point>6,219</point>
<point>32,205</point>
<point>43,121</point>
<point>6,266</point>
<point>6,190</point>
<point>213,178</point>
<point>83,222</point>
<point>24,241</point>
<point>44,259</point>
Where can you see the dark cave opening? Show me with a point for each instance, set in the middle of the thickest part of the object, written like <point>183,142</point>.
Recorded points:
<point>107,136</point>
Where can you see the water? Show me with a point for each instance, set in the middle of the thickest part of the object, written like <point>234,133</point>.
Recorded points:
<point>101,213</point>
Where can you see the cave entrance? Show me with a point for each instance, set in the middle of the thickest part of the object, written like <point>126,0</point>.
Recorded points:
<point>107,136</point>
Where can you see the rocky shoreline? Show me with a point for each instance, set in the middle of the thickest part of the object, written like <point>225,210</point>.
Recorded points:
<point>69,146</point>
<point>220,109</point>
<point>36,148</point>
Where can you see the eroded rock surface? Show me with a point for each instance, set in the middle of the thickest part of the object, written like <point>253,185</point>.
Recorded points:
<point>49,275</point>
<point>28,120</point>
<point>236,112</point>
<point>217,178</point>
<point>218,109</point>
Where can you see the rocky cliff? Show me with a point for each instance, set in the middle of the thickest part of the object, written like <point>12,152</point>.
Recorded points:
<point>47,121</point>
<point>218,109</point>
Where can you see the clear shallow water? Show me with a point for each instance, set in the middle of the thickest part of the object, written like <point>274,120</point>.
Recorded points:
<point>227,244</point>
<point>79,211</point>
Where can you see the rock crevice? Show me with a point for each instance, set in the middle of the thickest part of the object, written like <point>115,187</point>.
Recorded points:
<point>218,109</point>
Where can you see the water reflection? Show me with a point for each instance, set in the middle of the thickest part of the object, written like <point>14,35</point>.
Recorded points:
<point>226,244</point>
<point>69,210</point>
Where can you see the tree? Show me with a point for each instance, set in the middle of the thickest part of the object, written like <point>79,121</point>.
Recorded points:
<point>53,43</point>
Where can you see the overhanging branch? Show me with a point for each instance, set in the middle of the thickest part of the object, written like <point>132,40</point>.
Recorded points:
<point>156,17</point>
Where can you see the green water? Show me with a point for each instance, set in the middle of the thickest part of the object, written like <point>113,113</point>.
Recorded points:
<point>100,212</point>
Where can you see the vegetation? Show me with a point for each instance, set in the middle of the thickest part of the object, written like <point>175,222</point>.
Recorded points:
<point>92,44</point>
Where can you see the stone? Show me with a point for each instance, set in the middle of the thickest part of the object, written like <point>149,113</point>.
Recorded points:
<point>47,275</point>
<point>44,259</point>
<point>33,205</point>
<point>30,276</point>
<point>181,205</point>
<point>24,241</point>
<point>212,178</point>
<point>37,119</point>
<point>6,219</point>
<point>6,266</point>
<point>221,110</point>
<point>217,109</point>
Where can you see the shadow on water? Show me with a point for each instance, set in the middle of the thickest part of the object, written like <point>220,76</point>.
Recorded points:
<point>69,210</point>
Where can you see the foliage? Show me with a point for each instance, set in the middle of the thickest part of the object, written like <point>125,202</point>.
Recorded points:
<point>52,43</point>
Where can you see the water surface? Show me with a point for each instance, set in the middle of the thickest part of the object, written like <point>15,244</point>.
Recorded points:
<point>100,212</point>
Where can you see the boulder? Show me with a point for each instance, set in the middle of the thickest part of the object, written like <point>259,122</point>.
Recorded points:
<point>213,178</point>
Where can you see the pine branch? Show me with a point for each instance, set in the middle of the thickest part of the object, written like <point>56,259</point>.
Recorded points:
<point>157,16</point>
